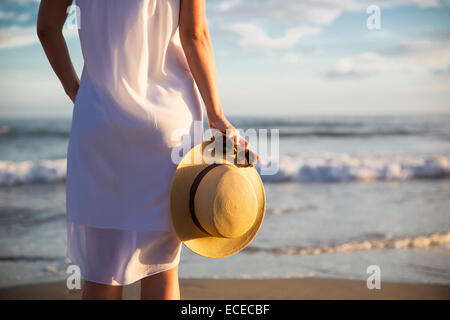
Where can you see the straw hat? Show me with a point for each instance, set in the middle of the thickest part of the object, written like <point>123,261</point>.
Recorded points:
<point>217,203</point>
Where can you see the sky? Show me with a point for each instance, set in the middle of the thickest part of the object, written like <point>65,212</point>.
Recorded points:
<point>290,57</point>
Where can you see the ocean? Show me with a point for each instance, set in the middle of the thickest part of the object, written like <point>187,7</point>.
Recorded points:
<point>350,192</point>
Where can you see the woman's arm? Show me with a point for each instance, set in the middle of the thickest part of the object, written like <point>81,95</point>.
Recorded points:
<point>51,17</point>
<point>194,36</point>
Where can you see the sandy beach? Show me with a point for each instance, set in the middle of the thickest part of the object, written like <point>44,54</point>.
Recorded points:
<point>254,289</point>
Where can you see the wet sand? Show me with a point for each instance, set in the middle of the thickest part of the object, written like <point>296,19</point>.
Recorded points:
<point>254,289</point>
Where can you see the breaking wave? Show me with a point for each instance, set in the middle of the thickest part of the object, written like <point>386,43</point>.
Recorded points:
<point>26,172</point>
<point>417,242</point>
<point>304,168</point>
<point>343,167</point>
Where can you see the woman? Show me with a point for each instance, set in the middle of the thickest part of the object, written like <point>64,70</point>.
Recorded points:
<point>141,59</point>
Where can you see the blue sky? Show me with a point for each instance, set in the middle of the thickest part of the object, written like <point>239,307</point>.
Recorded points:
<point>291,57</point>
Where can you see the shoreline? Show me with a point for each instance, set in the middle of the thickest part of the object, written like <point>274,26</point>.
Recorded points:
<point>252,289</point>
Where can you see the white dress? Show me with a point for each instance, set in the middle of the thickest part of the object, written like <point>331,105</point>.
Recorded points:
<point>136,94</point>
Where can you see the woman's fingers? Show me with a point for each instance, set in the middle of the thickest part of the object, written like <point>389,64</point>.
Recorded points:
<point>238,139</point>
<point>242,142</point>
<point>231,133</point>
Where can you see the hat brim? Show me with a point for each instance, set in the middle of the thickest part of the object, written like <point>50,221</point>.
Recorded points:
<point>195,239</point>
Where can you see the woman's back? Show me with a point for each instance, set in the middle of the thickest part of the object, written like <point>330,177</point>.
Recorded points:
<point>134,61</point>
<point>136,96</point>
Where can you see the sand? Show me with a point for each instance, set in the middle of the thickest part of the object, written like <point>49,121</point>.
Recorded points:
<point>254,289</point>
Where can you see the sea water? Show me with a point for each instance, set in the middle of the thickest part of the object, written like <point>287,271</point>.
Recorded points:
<point>350,192</point>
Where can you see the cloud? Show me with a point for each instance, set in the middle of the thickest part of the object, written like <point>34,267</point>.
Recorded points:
<point>22,2</point>
<point>18,23</point>
<point>419,3</point>
<point>310,16</point>
<point>406,56</point>
<point>359,66</point>
<point>254,37</point>
<point>306,11</point>
<point>6,15</point>
<point>441,34</point>
<point>433,55</point>
<point>290,58</point>
<point>17,36</point>
<point>227,5</point>
<point>17,18</point>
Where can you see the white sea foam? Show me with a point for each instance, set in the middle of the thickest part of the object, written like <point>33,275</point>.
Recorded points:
<point>343,167</point>
<point>303,168</point>
<point>417,242</point>
<point>25,172</point>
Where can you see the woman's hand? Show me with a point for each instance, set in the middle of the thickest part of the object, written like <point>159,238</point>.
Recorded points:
<point>73,90</point>
<point>224,126</point>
